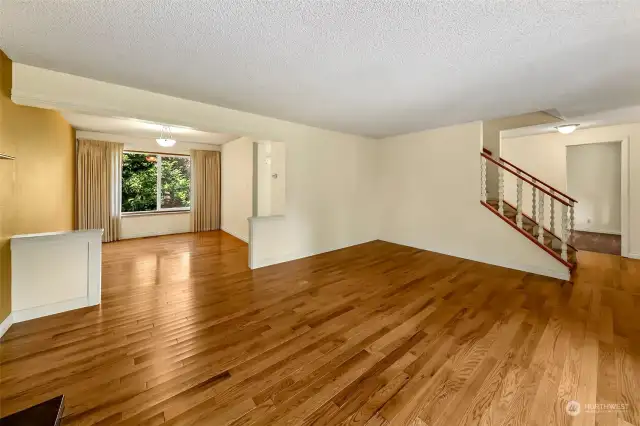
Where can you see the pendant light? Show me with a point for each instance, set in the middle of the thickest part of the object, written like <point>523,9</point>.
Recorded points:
<point>166,139</point>
<point>567,128</point>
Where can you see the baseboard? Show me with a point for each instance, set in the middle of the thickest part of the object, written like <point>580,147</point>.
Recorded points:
<point>633,256</point>
<point>4,326</point>
<point>233,234</point>
<point>52,309</point>
<point>288,257</point>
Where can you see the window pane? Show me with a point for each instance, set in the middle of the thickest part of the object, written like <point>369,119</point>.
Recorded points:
<point>176,176</point>
<point>139,182</point>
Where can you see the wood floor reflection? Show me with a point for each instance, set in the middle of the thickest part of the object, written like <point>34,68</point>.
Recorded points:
<point>376,334</point>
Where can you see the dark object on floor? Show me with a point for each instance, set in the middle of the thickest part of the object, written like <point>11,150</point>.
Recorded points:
<point>48,413</point>
<point>594,241</point>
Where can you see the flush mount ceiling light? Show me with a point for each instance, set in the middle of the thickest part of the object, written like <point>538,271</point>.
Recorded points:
<point>567,128</point>
<point>166,139</point>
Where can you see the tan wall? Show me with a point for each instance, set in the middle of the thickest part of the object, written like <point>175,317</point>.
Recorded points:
<point>491,139</point>
<point>37,190</point>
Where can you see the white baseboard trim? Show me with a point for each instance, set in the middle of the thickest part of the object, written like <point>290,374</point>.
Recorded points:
<point>233,234</point>
<point>4,326</point>
<point>289,257</point>
<point>633,256</point>
<point>52,309</point>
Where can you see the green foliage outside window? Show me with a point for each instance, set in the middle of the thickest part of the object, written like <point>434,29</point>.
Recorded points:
<point>140,182</point>
<point>176,182</point>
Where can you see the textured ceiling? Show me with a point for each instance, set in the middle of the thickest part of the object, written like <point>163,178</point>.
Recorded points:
<point>368,67</point>
<point>140,128</point>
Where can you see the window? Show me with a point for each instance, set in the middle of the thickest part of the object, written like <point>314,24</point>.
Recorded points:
<point>154,182</point>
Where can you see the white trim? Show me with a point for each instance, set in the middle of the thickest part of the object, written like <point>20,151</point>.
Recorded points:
<point>624,192</point>
<point>633,256</point>
<point>4,326</point>
<point>233,234</point>
<point>288,257</point>
<point>46,310</point>
<point>625,196</point>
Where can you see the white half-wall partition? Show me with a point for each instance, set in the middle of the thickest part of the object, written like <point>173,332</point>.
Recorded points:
<point>55,272</point>
<point>266,243</point>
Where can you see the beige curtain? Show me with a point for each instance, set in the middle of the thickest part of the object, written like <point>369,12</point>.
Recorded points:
<point>205,190</point>
<point>99,188</point>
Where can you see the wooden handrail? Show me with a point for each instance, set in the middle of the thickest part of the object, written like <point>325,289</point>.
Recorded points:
<point>533,177</point>
<point>524,179</point>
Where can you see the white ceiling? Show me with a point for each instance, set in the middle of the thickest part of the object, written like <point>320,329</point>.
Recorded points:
<point>141,129</point>
<point>603,118</point>
<point>370,67</point>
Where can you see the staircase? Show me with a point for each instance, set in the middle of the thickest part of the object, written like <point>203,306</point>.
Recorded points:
<point>547,220</point>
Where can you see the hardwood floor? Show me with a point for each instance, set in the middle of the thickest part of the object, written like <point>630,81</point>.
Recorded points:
<point>375,334</point>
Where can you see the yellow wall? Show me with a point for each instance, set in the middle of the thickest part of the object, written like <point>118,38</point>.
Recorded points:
<point>37,189</point>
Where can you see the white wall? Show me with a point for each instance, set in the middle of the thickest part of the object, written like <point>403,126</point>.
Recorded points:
<point>329,180</point>
<point>593,177</point>
<point>329,200</point>
<point>278,178</point>
<point>337,186</point>
<point>262,169</point>
<point>237,187</point>
<point>149,225</point>
<point>545,156</point>
<point>430,186</point>
<point>270,178</point>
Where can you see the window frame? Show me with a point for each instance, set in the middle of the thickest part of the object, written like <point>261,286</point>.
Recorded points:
<point>159,209</point>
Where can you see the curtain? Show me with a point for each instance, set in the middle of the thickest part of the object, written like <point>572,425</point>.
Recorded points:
<point>205,190</point>
<point>99,188</point>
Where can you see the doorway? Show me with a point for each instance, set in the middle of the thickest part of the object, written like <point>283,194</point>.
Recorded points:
<point>595,177</point>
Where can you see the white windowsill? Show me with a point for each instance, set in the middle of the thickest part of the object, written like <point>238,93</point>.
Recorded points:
<point>155,213</point>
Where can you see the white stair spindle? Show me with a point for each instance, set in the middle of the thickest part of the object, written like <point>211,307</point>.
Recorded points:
<point>572,218</point>
<point>565,232</point>
<point>552,218</point>
<point>534,204</point>
<point>483,179</point>
<point>519,200</point>
<point>501,190</point>
<point>541,217</point>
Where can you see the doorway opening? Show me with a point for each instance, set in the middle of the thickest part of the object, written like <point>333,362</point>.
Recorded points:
<point>596,177</point>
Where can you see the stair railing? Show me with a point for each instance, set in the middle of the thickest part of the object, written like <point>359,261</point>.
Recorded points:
<point>540,191</point>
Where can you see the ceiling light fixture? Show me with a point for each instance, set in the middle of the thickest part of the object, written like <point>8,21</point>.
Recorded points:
<point>567,128</point>
<point>166,139</point>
